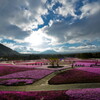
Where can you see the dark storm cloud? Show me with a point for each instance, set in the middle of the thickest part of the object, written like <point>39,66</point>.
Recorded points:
<point>85,29</point>
<point>14,32</point>
<point>17,15</point>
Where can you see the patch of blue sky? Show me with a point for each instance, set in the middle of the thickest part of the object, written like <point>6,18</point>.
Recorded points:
<point>96,42</point>
<point>78,5</point>
<point>7,41</point>
<point>69,45</point>
<point>13,42</point>
<point>55,17</point>
<point>50,16</point>
<point>46,19</point>
<point>57,4</point>
<point>49,1</point>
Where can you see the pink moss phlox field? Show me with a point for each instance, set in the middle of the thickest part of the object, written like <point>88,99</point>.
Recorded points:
<point>83,63</point>
<point>17,81</point>
<point>75,76</point>
<point>4,70</point>
<point>39,95</point>
<point>27,66</point>
<point>22,66</point>
<point>34,74</point>
<point>84,94</point>
<point>1,64</point>
<point>90,69</point>
<point>76,94</point>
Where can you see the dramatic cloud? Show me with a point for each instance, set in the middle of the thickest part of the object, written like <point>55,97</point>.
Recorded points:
<point>18,18</point>
<point>85,29</point>
<point>67,8</point>
<point>34,26</point>
<point>90,9</point>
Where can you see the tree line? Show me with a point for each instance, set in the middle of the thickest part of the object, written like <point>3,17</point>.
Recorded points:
<point>46,56</point>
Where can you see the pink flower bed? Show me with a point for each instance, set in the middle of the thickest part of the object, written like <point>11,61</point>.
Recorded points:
<point>83,63</point>
<point>84,94</point>
<point>27,66</point>
<point>39,95</point>
<point>76,94</point>
<point>1,64</point>
<point>75,76</point>
<point>36,74</point>
<point>24,77</point>
<point>90,69</point>
<point>4,70</point>
<point>23,66</point>
<point>17,81</point>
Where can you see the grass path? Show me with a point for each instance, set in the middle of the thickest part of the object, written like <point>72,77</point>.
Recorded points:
<point>42,85</point>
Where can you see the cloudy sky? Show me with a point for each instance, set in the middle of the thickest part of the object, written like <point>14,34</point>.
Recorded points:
<point>34,26</point>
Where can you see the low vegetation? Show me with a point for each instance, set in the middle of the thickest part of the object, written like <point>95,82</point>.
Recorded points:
<point>75,76</point>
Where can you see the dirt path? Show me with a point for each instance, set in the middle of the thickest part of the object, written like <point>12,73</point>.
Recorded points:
<point>42,85</point>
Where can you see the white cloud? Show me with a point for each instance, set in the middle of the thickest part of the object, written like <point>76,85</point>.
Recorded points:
<point>73,49</point>
<point>35,38</point>
<point>18,18</point>
<point>90,9</point>
<point>62,32</point>
<point>67,8</point>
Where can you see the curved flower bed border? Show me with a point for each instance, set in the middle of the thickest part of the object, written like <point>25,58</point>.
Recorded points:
<point>75,76</point>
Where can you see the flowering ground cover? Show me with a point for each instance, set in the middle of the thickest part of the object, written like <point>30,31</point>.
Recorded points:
<point>83,63</point>
<point>23,66</point>
<point>84,94</point>
<point>4,70</point>
<point>36,74</point>
<point>24,77</point>
<point>75,76</point>
<point>1,64</point>
<point>76,94</point>
<point>39,95</point>
<point>90,69</point>
<point>17,82</point>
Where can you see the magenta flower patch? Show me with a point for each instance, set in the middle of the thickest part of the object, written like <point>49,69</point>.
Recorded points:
<point>35,95</point>
<point>84,94</point>
<point>25,77</point>
<point>4,70</point>
<point>75,76</point>
<point>35,74</point>
<point>17,81</point>
<point>90,69</point>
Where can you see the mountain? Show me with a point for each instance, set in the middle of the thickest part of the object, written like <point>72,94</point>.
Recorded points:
<point>5,51</point>
<point>49,52</point>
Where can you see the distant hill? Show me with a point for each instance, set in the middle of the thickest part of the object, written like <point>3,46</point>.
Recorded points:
<point>49,52</point>
<point>5,51</point>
